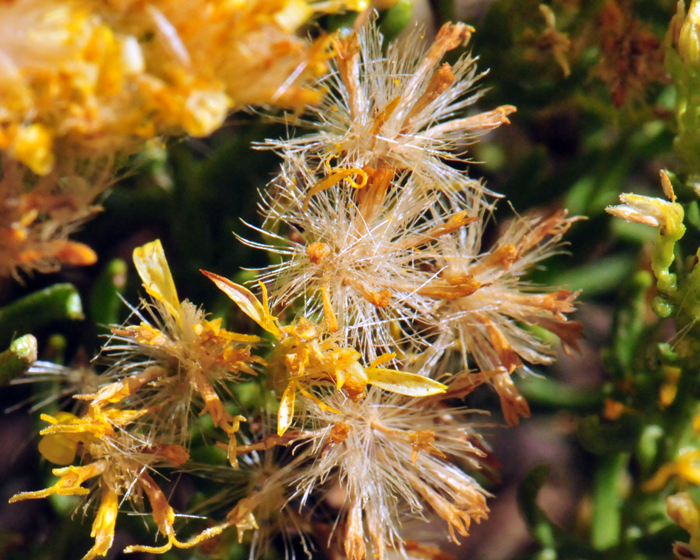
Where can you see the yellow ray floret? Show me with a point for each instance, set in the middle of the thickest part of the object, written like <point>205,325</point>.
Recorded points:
<point>155,274</point>
<point>104,524</point>
<point>68,484</point>
<point>247,302</point>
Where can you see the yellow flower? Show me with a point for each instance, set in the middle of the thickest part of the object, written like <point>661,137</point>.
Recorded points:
<point>686,514</point>
<point>686,468</point>
<point>668,217</point>
<point>121,460</point>
<point>204,354</point>
<point>689,38</point>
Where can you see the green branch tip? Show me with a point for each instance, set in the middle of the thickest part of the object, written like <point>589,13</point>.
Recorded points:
<point>17,358</point>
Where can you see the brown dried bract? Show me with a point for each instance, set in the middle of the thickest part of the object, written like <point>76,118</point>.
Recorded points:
<point>631,55</point>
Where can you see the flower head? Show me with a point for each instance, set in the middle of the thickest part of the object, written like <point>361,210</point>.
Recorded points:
<point>120,455</point>
<point>194,355</point>
<point>394,268</point>
<point>364,259</point>
<point>35,221</point>
<point>397,111</point>
<point>396,460</point>
<point>491,325</point>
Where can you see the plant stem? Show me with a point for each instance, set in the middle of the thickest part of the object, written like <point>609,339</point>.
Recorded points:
<point>55,303</point>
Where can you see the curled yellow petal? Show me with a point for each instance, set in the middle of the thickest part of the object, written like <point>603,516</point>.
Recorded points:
<point>247,302</point>
<point>335,178</point>
<point>685,467</point>
<point>164,517</point>
<point>68,484</point>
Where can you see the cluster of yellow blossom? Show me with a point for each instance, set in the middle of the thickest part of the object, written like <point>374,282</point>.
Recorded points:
<point>81,79</point>
<point>117,451</point>
<point>163,369</point>
<point>103,76</point>
<point>139,422</point>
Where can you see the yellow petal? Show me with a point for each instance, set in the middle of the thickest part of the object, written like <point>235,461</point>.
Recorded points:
<point>155,273</point>
<point>403,383</point>
<point>247,302</point>
<point>103,527</point>
<point>59,449</point>
<point>286,410</point>
<point>383,359</point>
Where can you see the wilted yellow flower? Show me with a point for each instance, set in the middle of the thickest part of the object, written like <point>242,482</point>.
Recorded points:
<point>394,267</point>
<point>120,460</point>
<point>488,325</point>
<point>650,211</point>
<point>399,111</point>
<point>668,217</point>
<point>305,358</point>
<point>365,258</point>
<point>686,514</point>
<point>395,458</point>
<point>381,235</point>
<point>261,489</point>
<point>196,355</point>
<point>551,40</point>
